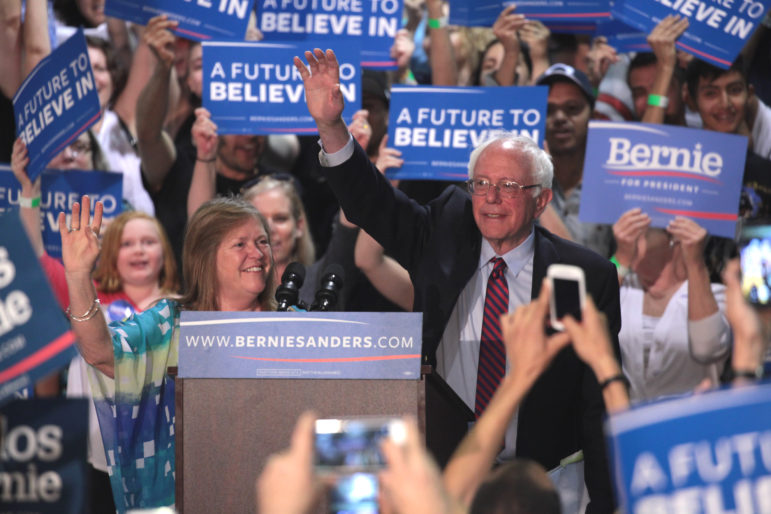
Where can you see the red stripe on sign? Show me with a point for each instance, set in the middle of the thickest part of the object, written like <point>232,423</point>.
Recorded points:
<point>704,54</point>
<point>722,216</point>
<point>53,348</point>
<point>341,359</point>
<point>680,174</point>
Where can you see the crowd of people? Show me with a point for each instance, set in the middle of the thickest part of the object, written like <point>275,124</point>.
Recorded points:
<point>212,221</point>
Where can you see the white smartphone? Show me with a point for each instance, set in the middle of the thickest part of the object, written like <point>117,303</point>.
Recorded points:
<point>568,293</point>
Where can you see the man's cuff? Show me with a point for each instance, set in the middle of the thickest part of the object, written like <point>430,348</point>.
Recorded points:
<point>330,160</point>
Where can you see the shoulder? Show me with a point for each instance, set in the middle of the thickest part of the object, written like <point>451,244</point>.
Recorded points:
<point>569,252</point>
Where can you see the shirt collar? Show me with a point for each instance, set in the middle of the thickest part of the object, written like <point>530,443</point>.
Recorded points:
<point>515,258</point>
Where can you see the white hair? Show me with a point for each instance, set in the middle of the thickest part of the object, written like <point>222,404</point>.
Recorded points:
<point>541,166</point>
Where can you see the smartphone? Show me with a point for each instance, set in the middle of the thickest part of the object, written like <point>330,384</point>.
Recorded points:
<point>355,493</point>
<point>755,254</point>
<point>348,445</point>
<point>568,293</point>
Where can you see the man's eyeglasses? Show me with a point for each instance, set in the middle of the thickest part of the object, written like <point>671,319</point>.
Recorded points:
<point>509,188</point>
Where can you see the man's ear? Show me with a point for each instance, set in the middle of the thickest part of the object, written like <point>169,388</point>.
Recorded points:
<point>542,200</point>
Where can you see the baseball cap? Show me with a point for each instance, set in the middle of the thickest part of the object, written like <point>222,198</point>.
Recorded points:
<point>565,73</point>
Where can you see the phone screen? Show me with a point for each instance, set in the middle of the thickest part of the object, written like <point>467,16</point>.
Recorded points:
<point>352,444</point>
<point>567,298</point>
<point>756,264</point>
<point>355,493</point>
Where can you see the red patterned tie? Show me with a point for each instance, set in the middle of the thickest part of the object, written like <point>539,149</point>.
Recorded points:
<point>492,354</point>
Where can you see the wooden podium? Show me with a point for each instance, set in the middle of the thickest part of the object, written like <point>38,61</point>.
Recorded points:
<point>226,428</point>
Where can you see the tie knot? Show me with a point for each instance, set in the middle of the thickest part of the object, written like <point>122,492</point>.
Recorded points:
<point>499,267</point>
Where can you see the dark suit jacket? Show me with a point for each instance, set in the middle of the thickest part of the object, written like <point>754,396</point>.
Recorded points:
<point>439,244</point>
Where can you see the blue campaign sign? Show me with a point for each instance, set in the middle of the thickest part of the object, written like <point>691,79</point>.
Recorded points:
<point>563,13</point>
<point>704,453</point>
<point>622,37</point>
<point>666,171</point>
<point>308,345</point>
<point>370,25</point>
<point>436,128</point>
<point>254,88</point>
<point>35,339</point>
<point>717,30</point>
<point>200,20</point>
<point>56,102</point>
<point>44,468</point>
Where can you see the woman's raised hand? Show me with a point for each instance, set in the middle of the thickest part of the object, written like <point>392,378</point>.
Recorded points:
<point>80,242</point>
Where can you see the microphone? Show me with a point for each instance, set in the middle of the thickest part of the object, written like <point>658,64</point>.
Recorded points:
<point>292,280</point>
<point>331,284</point>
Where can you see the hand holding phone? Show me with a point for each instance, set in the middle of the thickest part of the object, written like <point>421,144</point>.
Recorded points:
<point>348,445</point>
<point>568,293</point>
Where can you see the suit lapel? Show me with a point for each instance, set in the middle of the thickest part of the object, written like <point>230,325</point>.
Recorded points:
<point>544,254</point>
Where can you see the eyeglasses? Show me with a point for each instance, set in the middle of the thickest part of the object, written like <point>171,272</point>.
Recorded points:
<point>78,148</point>
<point>508,188</point>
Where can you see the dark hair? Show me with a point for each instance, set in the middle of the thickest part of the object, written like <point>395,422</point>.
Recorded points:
<point>643,59</point>
<point>118,70</point>
<point>68,12</point>
<point>518,487</point>
<point>698,69</point>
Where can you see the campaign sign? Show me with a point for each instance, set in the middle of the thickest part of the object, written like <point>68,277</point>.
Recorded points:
<point>704,453</point>
<point>200,20</point>
<point>370,25</point>
<point>43,468</point>
<point>254,88</point>
<point>35,339</point>
<point>56,102</point>
<point>666,171</point>
<point>436,128</point>
<point>622,37</point>
<point>483,13</point>
<point>717,30</point>
<point>312,345</point>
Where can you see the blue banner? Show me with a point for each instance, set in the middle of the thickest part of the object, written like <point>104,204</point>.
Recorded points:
<point>369,25</point>
<point>622,37</point>
<point>59,190</point>
<point>436,128</point>
<point>561,13</point>
<point>200,20</point>
<point>35,339</point>
<point>56,102</point>
<point>701,454</point>
<point>717,32</point>
<point>254,88</point>
<point>44,468</point>
<point>666,171</point>
<point>307,345</point>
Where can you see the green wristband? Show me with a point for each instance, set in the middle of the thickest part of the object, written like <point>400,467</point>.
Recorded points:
<point>437,23</point>
<point>29,203</point>
<point>658,101</point>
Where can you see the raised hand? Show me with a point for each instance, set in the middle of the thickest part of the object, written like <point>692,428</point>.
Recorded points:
<point>599,58</point>
<point>80,242</point>
<point>204,133</point>
<point>158,37</point>
<point>506,26</point>
<point>692,237</point>
<point>19,162</point>
<point>663,36</point>
<point>528,348</point>
<point>360,127</point>
<point>388,157</point>
<point>627,230</point>
<point>321,79</point>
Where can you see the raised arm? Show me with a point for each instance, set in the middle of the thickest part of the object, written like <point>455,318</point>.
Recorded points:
<point>155,146</point>
<point>536,35</point>
<point>11,43</point>
<point>709,337</point>
<point>505,29</point>
<point>203,184</point>
<point>444,68</point>
<point>662,40</point>
<point>601,55</point>
<point>37,42</point>
<point>30,196</point>
<point>80,249</point>
<point>529,351</point>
